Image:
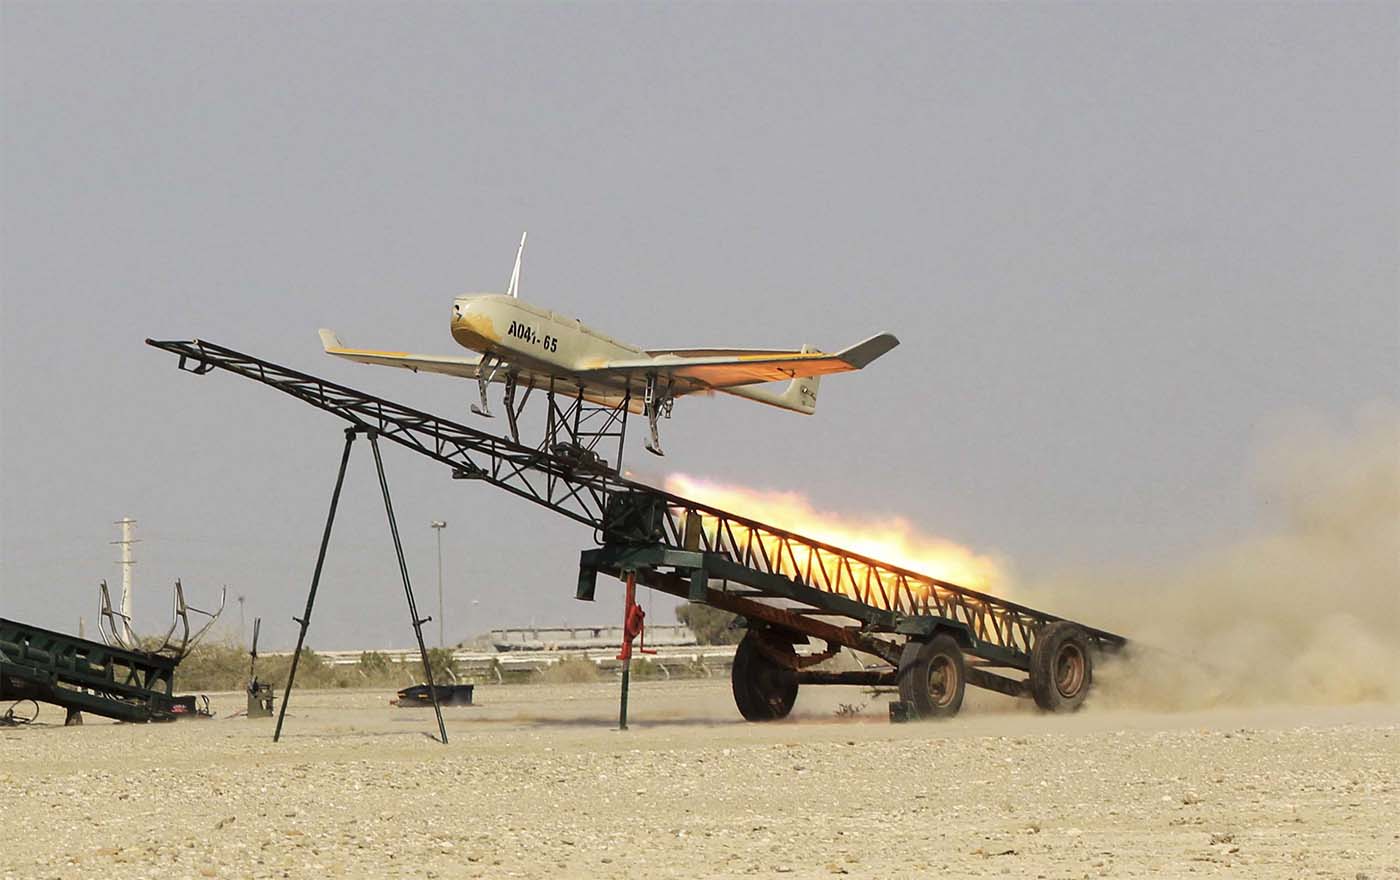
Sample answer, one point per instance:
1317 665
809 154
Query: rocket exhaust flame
893 540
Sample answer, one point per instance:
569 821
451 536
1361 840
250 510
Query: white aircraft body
520 344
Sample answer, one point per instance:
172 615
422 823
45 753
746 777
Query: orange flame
890 539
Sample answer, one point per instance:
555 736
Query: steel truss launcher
931 638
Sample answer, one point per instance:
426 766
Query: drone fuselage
528 337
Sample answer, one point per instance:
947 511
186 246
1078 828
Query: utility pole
242 624
127 524
438 526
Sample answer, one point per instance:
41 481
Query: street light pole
242 624
438 526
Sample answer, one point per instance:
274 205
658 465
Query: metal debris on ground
447 694
11 719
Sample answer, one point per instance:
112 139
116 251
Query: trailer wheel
932 677
764 690
1062 668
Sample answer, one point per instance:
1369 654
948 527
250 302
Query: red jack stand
633 627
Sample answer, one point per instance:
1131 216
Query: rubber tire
1056 643
763 689
918 662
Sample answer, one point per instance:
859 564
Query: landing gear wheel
764 689
1062 669
932 677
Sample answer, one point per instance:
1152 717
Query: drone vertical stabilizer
514 288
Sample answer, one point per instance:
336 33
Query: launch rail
931 637
79 675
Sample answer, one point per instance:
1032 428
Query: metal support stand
622 707
408 589
598 428
633 627
305 619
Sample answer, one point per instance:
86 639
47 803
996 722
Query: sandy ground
536 783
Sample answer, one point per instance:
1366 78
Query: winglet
862 353
514 289
329 341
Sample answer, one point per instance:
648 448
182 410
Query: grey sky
1123 246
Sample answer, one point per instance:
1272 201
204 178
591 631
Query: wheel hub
1069 670
942 681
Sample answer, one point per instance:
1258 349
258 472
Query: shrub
443 665
213 666
374 666
711 625
570 670
644 668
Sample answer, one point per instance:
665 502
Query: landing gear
932 677
490 365
656 403
1062 668
512 410
764 687
591 429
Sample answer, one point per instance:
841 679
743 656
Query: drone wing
465 367
719 369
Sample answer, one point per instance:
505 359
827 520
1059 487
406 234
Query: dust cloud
1305 611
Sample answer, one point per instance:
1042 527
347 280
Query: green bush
213 666
518 676
443 665
644 668
223 666
711 625
570 670
375 666
312 671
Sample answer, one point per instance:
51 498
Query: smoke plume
1306 611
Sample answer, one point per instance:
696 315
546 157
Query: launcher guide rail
85 676
781 582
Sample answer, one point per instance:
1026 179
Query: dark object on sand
447 694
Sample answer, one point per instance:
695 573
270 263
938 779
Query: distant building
584 638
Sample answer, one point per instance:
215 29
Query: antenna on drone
514 289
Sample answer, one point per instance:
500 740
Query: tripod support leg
305 619
407 589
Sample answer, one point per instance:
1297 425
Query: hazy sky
1124 245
